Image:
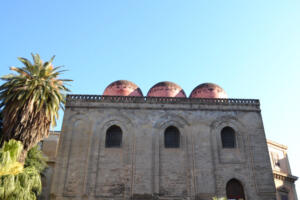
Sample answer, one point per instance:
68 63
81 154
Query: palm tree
1 126
30 101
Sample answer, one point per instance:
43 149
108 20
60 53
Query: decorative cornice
162 100
284 177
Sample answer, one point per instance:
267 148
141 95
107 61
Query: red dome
122 88
208 90
166 89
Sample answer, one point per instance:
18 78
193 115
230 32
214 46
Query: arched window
113 137
234 190
172 137
228 137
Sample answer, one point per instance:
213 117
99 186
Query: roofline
277 144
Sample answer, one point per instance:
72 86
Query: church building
166 145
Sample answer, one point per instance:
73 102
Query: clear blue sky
250 48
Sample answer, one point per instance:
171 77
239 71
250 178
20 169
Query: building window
276 160
113 137
234 190
172 137
228 137
284 197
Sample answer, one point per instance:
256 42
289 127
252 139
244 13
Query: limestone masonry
123 145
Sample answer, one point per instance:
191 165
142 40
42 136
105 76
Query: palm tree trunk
23 156
25 125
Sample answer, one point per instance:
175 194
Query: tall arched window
172 137
234 190
228 137
113 137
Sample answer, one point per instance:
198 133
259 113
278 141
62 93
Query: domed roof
166 89
122 88
208 90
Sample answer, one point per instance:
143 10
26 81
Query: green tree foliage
23 186
18 183
9 154
1 126
36 159
30 100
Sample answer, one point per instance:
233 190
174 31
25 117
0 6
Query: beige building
49 146
283 178
161 146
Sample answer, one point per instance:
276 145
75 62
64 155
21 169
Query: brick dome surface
208 90
166 89
122 88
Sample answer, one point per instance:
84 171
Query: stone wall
143 168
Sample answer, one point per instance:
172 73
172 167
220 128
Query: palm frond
31 99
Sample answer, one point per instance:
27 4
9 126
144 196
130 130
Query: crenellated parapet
78 100
133 99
